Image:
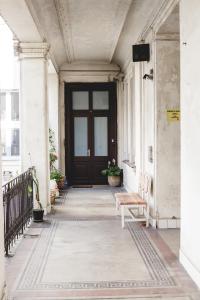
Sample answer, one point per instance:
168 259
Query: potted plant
114 174
38 212
52 149
58 177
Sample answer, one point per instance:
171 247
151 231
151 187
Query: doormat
82 186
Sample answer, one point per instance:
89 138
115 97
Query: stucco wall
152 100
190 141
167 152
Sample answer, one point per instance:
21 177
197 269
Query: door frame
69 87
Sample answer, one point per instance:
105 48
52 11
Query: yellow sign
173 115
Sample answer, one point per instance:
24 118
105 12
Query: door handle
88 152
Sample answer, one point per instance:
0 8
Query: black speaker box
141 52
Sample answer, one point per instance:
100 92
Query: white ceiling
89 29
81 30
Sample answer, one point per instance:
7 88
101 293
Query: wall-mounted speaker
141 52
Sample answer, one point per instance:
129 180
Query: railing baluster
18 206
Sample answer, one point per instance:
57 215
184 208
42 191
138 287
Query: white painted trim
190 268
41 31
167 223
63 13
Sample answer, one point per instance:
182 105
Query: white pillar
53 89
190 142
2 263
34 114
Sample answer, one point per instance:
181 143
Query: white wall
167 146
190 141
34 122
151 99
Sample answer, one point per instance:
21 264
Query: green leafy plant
56 175
52 149
112 170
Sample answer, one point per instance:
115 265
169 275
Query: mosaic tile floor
81 252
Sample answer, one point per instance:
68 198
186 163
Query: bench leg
122 216
117 204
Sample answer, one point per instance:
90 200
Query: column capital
31 50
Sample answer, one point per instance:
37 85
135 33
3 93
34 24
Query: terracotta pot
53 196
61 183
114 180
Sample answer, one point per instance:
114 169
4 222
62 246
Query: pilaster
34 113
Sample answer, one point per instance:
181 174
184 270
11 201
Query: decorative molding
32 50
62 9
155 21
41 30
167 37
90 67
121 14
159 17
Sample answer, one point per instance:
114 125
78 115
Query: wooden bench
136 203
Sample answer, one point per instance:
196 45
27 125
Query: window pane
101 136
80 100
80 136
5 151
3 105
15 142
15 106
100 100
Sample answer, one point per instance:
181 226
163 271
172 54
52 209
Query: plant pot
114 180
52 196
38 215
61 183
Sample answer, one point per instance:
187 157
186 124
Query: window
3 105
15 106
129 121
10 124
14 142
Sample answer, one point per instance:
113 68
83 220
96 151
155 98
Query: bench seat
128 200
136 203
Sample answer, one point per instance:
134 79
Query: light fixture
149 76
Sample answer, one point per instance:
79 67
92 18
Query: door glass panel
80 100
80 136
101 136
100 100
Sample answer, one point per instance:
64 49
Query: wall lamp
149 76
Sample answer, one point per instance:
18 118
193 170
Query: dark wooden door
91 131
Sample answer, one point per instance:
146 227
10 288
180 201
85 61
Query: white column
34 114
190 142
2 263
53 89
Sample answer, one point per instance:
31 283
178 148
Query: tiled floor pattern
81 252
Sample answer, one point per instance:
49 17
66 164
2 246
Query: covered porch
79 79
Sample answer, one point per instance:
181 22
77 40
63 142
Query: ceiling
81 31
87 30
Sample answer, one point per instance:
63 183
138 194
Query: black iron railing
18 206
